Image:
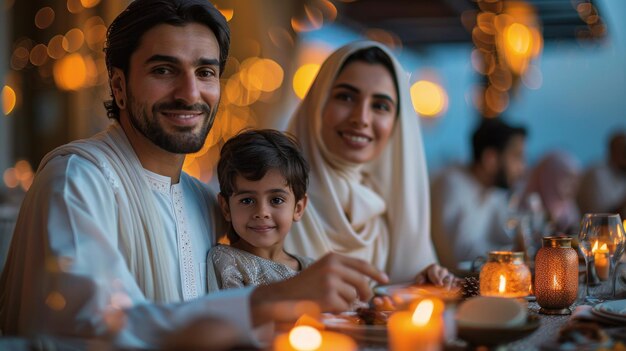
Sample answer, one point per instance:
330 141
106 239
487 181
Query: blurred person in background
470 203
603 186
555 180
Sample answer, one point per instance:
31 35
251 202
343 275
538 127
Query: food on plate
370 316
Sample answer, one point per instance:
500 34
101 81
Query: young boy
263 180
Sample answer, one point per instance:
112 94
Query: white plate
616 308
608 318
344 323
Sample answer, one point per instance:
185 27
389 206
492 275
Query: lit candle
555 284
417 330
306 338
556 275
601 260
505 275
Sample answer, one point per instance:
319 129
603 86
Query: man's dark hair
252 153
125 33
373 55
493 133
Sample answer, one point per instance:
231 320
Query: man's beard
184 141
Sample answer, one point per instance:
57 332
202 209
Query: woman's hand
437 275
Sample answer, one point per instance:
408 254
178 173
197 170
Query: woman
368 196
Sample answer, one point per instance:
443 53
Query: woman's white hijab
377 211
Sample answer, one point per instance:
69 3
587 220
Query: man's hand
333 283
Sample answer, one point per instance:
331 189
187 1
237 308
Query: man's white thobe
66 273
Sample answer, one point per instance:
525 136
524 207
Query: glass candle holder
505 275
556 275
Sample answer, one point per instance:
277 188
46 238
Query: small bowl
478 336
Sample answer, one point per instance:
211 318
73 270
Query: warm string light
429 99
21 175
507 39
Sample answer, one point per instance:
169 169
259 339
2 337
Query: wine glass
601 240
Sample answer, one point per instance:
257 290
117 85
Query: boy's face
262 211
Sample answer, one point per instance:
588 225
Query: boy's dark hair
493 133
373 55
252 153
125 33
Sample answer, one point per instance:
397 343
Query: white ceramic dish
489 312
615 308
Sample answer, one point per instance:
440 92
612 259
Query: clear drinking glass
601 235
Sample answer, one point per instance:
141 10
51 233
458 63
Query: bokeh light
281 38
55 47
95 36
305 338
89 3
227 13
303 78
533 78
44 17
238 94
20 58
496 100
268 74
313 19
74 40
501 78
74 6
9 99
70 73
383 36
39 55
56 301
429 99
9 178
518 38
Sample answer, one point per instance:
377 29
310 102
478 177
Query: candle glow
601 260
423 312
555 283
502 286
305 338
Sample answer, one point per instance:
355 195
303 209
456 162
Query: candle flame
502 286
305 338
604 247
423 312
555 283
595 247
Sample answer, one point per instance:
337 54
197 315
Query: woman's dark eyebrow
354 89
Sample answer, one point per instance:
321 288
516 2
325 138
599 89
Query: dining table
546 336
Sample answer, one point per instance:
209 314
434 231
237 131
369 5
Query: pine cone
470 287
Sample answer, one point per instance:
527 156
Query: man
112 237
603 187
469 204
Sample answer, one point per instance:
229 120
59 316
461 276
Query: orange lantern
556 275
505 275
